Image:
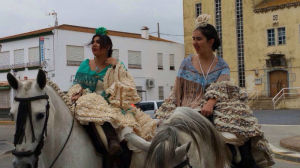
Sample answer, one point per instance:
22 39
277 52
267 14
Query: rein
24 111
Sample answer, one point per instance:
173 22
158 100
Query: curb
285 155
7 122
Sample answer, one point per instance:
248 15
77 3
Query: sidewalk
275 133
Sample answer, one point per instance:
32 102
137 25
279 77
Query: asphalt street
279 122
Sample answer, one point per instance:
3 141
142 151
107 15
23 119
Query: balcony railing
4 67
34 64
18 66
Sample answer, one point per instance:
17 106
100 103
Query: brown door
278 80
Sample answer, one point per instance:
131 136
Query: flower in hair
202 20
101 31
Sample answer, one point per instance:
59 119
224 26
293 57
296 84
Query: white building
152 61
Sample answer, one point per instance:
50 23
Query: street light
54 14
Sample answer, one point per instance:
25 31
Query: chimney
145 32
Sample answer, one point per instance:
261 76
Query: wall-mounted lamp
256 72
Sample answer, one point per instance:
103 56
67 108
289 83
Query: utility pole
158 32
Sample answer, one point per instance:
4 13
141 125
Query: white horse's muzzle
25 162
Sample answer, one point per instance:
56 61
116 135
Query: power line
166 34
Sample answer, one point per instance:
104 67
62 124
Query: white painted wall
59 72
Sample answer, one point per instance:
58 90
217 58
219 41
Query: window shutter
19 58
75 55
34 56
4 60
115 53
160 61
134 60
4 99
172 64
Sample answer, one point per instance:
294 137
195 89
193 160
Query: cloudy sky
19 16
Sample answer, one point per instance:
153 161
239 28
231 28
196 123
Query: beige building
260 40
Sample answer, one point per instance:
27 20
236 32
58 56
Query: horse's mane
191 122
64 96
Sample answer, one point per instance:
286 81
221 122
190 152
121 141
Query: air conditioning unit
150 83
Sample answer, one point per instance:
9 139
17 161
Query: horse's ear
182 150
41 79
137 142
13 82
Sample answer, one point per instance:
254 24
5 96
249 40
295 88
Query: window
134 59
271 37
219 25
198 8
140 91
281 35
161 93
19 58
115 53
240 42
4 99
75 55
172 64
33 57
160 61
4 60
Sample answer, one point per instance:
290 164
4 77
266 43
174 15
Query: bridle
24 111
184 163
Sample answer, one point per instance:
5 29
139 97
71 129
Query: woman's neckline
108 66
212 69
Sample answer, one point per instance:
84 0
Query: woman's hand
76 96
112 61
208 108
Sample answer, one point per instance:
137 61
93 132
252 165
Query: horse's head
30 112
164 150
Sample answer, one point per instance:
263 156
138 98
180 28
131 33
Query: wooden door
278 80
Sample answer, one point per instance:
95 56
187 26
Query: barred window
198 9
240 42
4 60
172 64
281 36
33 57
160 64
219 25
271 37
134 59
75 55
161 93
115 53
19 58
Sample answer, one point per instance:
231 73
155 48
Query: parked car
149 107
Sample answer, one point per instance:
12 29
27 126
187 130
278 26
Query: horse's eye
40 116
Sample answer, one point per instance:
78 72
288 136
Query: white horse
31 112
186 139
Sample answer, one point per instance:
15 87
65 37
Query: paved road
278 117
